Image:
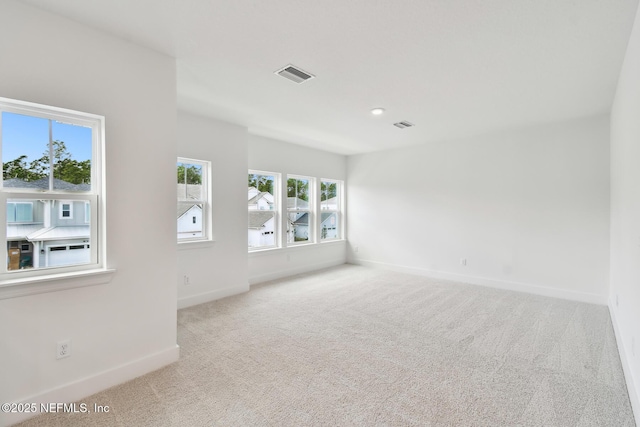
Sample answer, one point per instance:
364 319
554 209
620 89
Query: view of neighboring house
260 200
189 214
328 226
261 229
298 224
47 233
261 218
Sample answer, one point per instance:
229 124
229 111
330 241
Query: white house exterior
261 229
261 201
329 225
47 233
189 221
189 211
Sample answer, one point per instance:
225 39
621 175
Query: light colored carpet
355 346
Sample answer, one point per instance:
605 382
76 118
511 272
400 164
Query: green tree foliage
64 167
298 188
328 190
194 174
263 183
18 169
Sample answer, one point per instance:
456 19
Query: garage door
67 255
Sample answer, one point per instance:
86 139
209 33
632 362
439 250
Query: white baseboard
82 388
279 274
626 368
191 300
492 283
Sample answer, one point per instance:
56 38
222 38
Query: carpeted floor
355 346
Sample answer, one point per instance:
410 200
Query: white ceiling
453 68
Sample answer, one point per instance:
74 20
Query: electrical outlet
63 349
355 249
616 300
186 280
463 261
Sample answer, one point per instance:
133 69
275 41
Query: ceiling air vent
294 74
403 125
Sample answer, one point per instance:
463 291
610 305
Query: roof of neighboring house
257 219
184 208
293 202
325 216
43 184
60 233
254 199
303 220
21 231
18 183
194 191
331 201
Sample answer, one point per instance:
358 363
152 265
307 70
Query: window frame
45 279
206 202
62 210
310 210
339 212
16 211
277 211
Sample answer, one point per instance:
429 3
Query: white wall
625 215
528 209
218 269
276 156
127 327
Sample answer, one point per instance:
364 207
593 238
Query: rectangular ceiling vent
403 125
294 74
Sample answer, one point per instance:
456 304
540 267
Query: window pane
11 212
72 153
25 151
262 227
329 226
329 195
261 192
297 193
19 211
39 238
24 212
189 181
298 227
189 220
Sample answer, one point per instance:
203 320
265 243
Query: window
330 209
19 211
194 195
263 212
66 211
87 212
51 166
299 209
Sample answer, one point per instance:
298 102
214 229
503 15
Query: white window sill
20 287
296 247
330 241
195 244
263 251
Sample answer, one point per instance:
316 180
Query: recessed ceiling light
377 111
